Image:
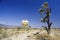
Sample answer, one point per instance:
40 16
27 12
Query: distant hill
7 26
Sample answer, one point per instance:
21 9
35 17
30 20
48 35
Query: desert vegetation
31 34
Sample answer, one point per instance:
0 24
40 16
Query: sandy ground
32 35
22 36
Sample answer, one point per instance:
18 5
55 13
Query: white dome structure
25 23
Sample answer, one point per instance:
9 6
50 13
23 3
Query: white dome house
25 23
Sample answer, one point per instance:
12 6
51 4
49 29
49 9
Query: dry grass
42 35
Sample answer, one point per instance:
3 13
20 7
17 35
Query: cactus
46 18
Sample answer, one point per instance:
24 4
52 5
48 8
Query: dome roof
24 21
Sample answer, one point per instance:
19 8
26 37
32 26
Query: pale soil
34 35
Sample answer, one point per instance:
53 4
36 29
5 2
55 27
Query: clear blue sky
12 12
